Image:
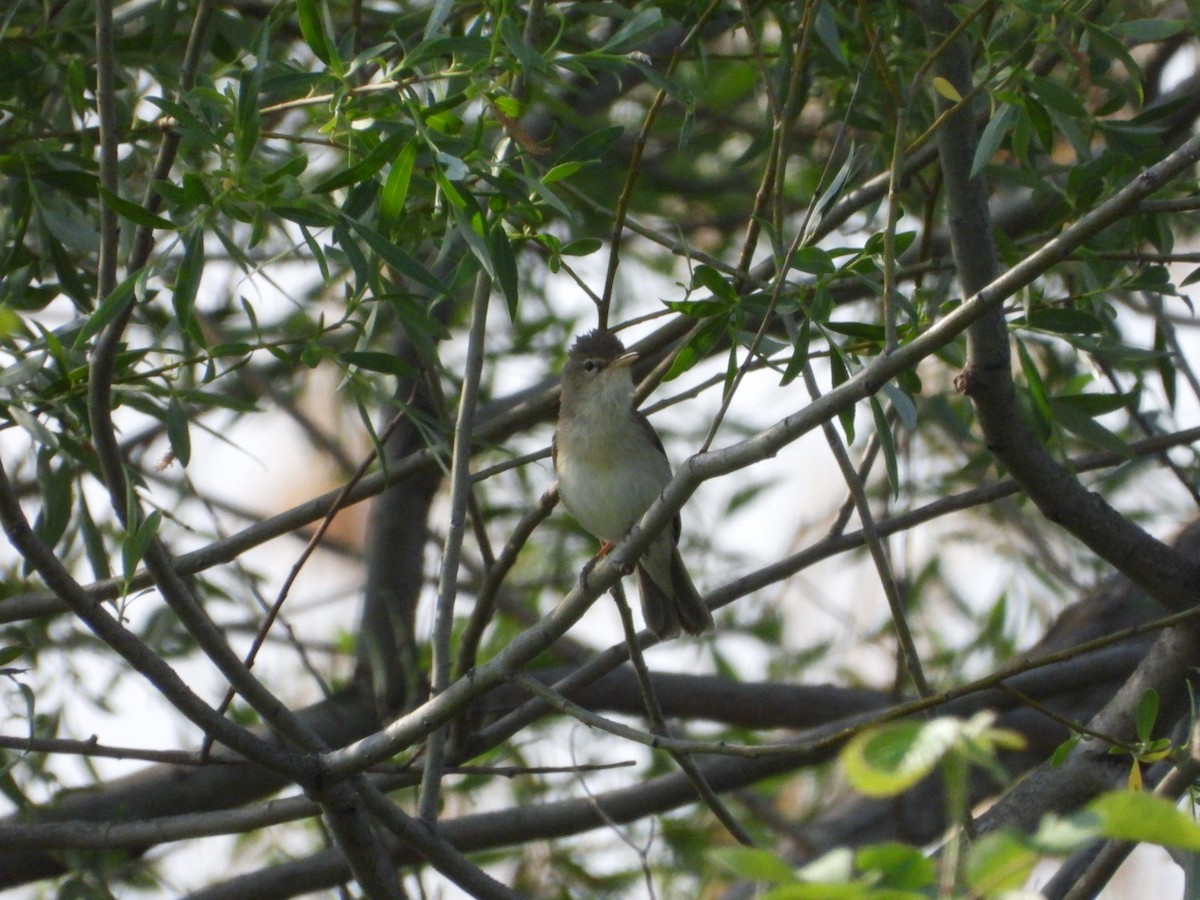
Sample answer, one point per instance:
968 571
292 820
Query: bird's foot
604 550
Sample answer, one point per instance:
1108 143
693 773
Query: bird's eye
591 365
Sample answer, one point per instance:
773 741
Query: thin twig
879 555
659 723
460 491
634 167
310 548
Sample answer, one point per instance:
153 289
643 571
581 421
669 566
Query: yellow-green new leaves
885 761
947 90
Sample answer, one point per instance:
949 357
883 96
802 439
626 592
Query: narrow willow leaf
437 17
1088 429
395 188
249 88
113 305
177 432
187 282
993 135
312 29
397 258
137 542
57 489
504 263
704 276
635 30
93 543
375 361
1146 30
11 654
699 346
840 374
134 212
561 171
887 445
800 351
1165 364
383 153
1147 714
1037 392
1096 404
755 864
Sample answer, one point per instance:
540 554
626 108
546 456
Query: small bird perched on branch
611 466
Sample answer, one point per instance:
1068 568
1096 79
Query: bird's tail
675 605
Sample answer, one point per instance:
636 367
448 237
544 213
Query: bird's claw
604 550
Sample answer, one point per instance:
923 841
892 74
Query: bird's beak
622 361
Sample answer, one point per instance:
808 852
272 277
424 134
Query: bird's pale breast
602 483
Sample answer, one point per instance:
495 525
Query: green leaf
999 862
531 60
1142 817
886 444
800 351
1037 392
903 405
1146 30
504 264
56 486
581 247
1063 750
308 215
561 171
177 432
635 30
946 89
135 213
395 188
1147 715
375 361
897 866
1061 321
592 146
817 891
396 258
137 542
754 864
114 304
864 330
93 543
1096 404
840 374
249 88
1165 363
187 282
993 135
699 346
704 276
12 653
1088 429
886 761
437 17
813 260
312 29
826 26
384 152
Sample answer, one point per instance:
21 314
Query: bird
611 466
